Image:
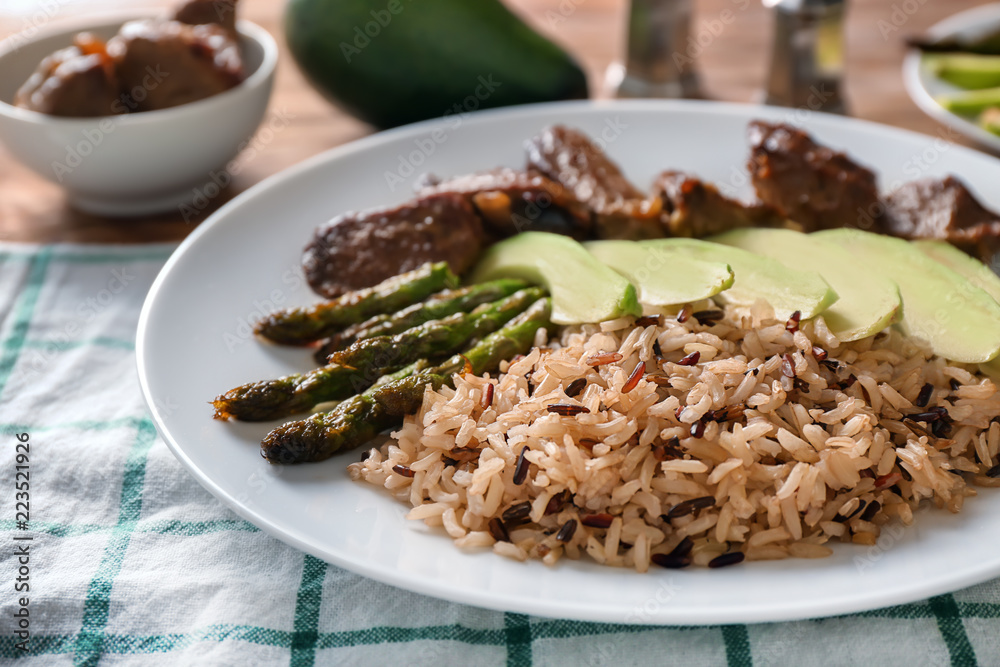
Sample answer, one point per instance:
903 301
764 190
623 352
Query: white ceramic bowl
134 164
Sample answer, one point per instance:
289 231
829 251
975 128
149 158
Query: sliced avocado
974 271
970 102
959 320
868 301
759 277
965 70
663 278
582 288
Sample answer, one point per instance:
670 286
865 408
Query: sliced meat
572 160
173 63
808 183
357 250
512 201
76 81
692 207
198 12
945 209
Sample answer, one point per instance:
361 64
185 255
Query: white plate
193 343
923 86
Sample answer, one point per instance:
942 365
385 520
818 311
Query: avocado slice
972 270
969 71
959 320
868 301
758 277
583 289
396 61
663 278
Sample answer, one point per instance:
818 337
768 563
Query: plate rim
496 599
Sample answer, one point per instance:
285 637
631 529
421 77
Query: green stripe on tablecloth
517 632
63 345
737 645
83 425
90 258
90 641
23 311
307 604
170 527
949 621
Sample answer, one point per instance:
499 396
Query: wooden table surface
732 67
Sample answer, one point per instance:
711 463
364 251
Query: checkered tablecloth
131 562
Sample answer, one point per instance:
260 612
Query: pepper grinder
807 60
655 65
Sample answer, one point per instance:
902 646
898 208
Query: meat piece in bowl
692 207
79 80
944 209
811 184
198 12
571 159
512 201
163 64
358 250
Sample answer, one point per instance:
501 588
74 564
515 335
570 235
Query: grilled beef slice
808 183
572 160
361 249
692 207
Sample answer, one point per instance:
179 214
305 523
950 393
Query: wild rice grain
521 467
565 533
403 470
691 359
792 325
487 398
689 507
926 417
567 410
708 317
602 520
698 429
516 514
633 379
924 397
731 558
670 562
557 502
604 359
954 384
685 313
820 354
870 511
576 387
994 471
683 548
649 320
787 366
498 530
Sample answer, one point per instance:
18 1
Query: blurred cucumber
966 71
970 103
391 62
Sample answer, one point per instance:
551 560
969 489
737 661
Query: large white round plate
923 86
194 342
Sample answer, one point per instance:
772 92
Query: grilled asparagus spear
354 369
299 326
359 419
440 305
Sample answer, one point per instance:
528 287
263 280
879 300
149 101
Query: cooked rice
796 463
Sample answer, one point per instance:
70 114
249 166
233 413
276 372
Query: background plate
922 86
194 342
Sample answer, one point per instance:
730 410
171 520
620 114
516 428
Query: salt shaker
656 66
807 59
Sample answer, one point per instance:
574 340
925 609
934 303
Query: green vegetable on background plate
391 62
